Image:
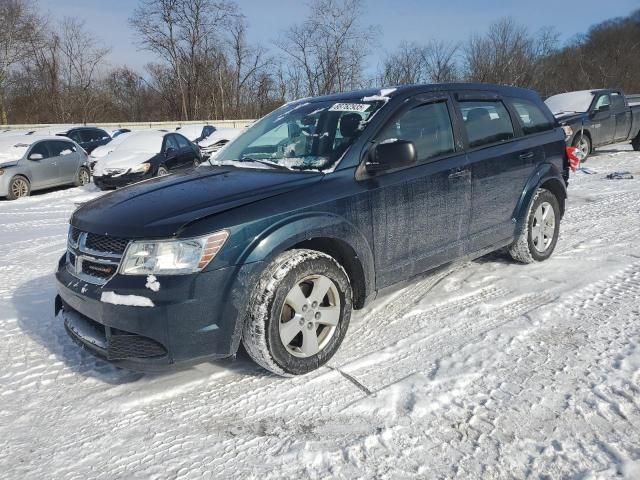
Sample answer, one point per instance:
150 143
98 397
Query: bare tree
439 58
330 46
19 24
183 33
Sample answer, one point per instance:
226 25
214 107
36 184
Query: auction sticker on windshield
350 107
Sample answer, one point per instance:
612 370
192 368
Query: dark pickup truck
596 118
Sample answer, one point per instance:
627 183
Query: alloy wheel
309 316
19 188
84 177
544 227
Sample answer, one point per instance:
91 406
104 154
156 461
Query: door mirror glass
391 155
36 156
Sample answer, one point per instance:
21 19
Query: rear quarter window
532 118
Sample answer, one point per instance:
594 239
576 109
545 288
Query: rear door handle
527 156
459 174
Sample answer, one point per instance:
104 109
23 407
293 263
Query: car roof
392 91
30 139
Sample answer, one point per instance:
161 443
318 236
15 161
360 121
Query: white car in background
211 146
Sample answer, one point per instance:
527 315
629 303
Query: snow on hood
220 134
103 150
121 160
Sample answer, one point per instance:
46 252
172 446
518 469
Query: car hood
160 207
120 159
570 117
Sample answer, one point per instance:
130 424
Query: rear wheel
540 234
583 143
635 143
299 313
19 187
83 178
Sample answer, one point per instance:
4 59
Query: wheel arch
546 176
326 233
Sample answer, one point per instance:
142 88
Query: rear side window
182 142
427 126
486 122
531 116
617 101
60 148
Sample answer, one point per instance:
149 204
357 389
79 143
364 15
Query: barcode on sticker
349 107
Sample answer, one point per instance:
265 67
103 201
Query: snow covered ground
488 370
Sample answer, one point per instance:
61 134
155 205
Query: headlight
142 168
172 257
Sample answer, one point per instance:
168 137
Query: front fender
546 172
293 230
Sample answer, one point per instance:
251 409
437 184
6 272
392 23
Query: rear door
67 157
622 113
501 161
44 171
420 213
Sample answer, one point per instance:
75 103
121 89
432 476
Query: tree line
203 66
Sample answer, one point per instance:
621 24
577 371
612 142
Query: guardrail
137 125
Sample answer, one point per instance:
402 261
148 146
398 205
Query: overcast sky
412 20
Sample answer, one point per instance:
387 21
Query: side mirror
36 156
391 155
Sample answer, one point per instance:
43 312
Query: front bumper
194 317
116 181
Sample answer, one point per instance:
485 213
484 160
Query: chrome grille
94 258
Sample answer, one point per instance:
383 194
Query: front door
604 124
420 213
44 168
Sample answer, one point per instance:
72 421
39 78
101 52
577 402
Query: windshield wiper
265 162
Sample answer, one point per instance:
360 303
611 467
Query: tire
284 303
583 142
162 171
83 177
19 187
526 248
635 143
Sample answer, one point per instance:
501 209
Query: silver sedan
31 162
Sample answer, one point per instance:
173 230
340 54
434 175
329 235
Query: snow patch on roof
383 96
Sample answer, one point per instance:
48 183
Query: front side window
171 143
303 135
486 122
75 136
40 148
427 126
603 101
532 118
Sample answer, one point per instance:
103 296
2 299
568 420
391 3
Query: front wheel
162 171
298 314
540 234
635 143
583 143
19 187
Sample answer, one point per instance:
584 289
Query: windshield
572 102
150 142
303 135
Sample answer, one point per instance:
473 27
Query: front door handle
527 156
